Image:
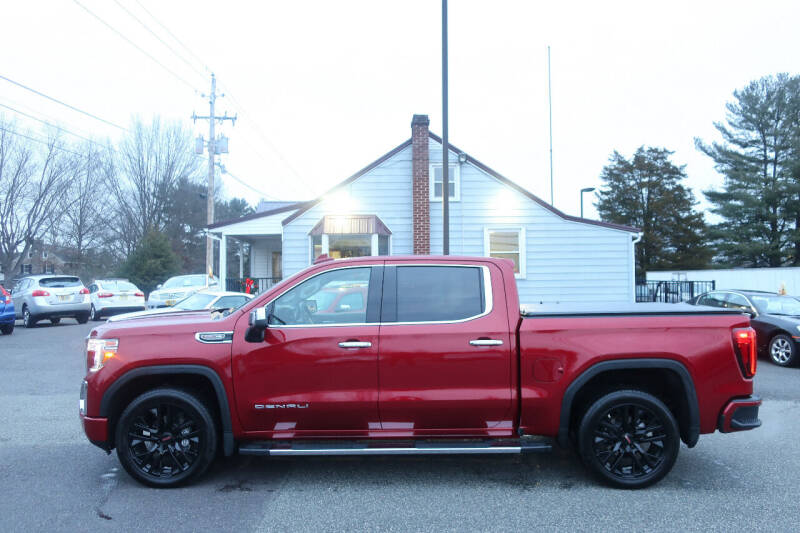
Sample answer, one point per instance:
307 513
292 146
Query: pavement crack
108 483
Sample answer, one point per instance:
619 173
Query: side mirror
259 319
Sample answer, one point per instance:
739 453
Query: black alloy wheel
166 437
629 438
83 318
7 329
27 319
55 321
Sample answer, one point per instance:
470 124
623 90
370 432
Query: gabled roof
305 206
260 214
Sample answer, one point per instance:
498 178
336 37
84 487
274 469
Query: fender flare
693 429
109 395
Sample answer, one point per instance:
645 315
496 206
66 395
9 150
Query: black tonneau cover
573 309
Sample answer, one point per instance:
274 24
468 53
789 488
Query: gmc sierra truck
416 355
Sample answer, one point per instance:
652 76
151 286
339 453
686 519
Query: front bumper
96 430
740 414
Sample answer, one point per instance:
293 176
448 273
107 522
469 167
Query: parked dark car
776 319
7 314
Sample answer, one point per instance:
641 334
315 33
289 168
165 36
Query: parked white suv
50 297
179 287
112 296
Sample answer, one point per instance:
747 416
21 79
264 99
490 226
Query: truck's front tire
166 437
629 438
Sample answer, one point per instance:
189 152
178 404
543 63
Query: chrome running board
389 448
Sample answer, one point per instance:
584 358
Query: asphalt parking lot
52 479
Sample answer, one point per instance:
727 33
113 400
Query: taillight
140 294
744 340
40 292
84 291
5 294
104 294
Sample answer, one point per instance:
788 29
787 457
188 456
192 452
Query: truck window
439 293
312 301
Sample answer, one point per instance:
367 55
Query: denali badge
281 406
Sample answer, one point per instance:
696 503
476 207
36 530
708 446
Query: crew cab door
316 370
445 357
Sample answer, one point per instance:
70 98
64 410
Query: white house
393 207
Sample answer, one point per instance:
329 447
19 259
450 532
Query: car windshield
63 281
116 285
195 301
179 282
776 305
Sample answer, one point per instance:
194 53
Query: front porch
265 265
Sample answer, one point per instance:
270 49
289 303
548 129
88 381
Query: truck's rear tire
629 439
166 437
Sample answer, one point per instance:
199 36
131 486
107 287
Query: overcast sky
323 88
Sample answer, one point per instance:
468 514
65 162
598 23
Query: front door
445 358
316 370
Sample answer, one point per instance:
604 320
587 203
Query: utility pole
215 146
550 108
445 143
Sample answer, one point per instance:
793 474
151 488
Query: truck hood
167 323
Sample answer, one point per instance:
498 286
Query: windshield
117 286
195 301
179 282
776 305
64 281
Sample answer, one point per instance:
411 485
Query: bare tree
33 182
151 160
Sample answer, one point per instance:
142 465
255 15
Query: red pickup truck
424 355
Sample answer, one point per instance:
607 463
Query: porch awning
350 224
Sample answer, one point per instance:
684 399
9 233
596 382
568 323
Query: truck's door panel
316 369
445 354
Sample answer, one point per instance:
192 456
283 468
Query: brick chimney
420 185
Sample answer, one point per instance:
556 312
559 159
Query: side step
420 447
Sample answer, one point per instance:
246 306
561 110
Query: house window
341 246
316 247
453 179
25 269
507 243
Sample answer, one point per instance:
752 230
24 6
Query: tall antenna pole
445 143
550 107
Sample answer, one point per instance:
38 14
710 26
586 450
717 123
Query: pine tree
646 192
758 157
152 262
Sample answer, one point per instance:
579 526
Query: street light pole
585 189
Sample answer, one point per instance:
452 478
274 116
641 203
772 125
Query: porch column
241 259
223 263
374 244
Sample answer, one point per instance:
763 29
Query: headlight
98 351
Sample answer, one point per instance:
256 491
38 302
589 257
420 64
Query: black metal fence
671 291
258 284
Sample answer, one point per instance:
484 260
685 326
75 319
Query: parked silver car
50 297
179 287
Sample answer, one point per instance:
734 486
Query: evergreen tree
758 156
152 262
646 192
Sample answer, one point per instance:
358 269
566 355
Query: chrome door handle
486 342
355 344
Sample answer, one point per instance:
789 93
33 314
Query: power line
146 27
156 61
62 103
52 125
55 146
173 36
227 172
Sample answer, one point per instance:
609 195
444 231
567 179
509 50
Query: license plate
123 296
63 297
170 303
